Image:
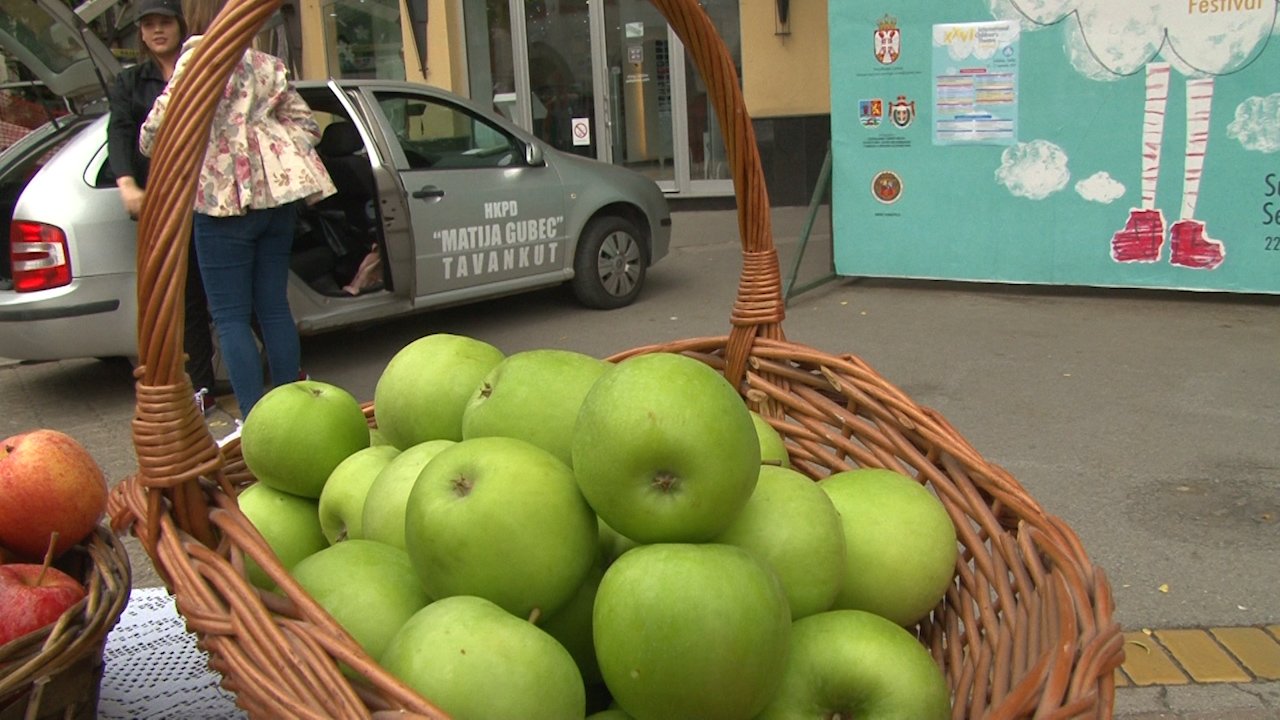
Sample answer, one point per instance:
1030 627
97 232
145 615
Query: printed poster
975 83
1065 142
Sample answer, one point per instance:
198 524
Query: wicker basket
56 672
1026 630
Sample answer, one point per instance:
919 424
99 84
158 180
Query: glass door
606 79
637 71
709 172
362 39
491 70
561 91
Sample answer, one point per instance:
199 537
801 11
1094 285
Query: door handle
428 191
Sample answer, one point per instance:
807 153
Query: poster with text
1066 142
975 83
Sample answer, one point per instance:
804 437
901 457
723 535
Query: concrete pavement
1149 420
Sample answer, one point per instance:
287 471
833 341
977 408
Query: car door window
440 136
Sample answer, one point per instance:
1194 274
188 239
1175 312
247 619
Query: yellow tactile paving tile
1200 655
1258 651
1203 658
1147 663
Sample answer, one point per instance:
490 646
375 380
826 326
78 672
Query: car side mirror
533 155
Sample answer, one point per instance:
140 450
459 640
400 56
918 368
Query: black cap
172 8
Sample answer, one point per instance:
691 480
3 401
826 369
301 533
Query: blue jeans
244 261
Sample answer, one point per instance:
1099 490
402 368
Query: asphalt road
1150 421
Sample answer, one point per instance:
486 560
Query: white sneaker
231 435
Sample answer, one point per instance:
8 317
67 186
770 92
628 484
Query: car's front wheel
610 263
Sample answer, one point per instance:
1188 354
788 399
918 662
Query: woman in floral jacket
259 165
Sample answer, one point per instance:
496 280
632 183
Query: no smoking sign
581 128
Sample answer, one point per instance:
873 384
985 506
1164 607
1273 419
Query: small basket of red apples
64 577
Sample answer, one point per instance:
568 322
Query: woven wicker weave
1026 630
55 673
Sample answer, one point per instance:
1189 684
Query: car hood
576 168
51 41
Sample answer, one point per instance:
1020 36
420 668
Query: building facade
606 79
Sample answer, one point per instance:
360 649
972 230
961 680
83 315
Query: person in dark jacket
161 32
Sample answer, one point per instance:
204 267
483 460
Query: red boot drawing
1191 248
1141 238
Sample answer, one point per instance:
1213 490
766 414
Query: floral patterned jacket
261 147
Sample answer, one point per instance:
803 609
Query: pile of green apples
550 535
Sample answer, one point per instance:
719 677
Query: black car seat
339 148
346 221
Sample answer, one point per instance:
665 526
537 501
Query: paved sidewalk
1199 702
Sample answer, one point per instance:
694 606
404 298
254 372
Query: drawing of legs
1143 234
1188 243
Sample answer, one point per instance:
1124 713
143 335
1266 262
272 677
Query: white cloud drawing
1033 170
1100 187
1107 38
1257 124
957 49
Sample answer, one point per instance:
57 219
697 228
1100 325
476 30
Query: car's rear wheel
610 263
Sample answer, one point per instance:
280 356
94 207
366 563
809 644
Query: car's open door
51 41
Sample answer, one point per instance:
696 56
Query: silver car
460 205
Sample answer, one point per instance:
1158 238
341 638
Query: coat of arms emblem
871 112
886 186
888 40
902 111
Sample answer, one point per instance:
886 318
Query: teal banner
1066 142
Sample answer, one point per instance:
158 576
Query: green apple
900 544
384 504
691 631
610 714
297 434
342 499
856 664
502 519
476 661
377 438
368 587
664 449
612 543
535 396
773 451
289 523
571 626
423 390
792 526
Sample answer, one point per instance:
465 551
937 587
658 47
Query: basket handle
173 445
759 308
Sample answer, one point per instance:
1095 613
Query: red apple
33 596
48 483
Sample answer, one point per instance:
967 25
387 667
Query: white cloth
153 669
